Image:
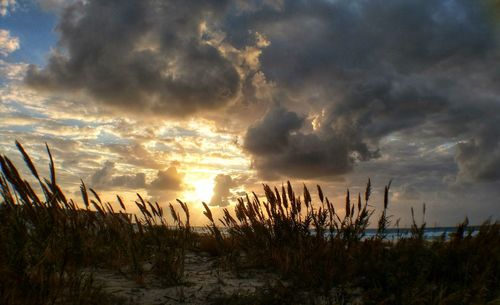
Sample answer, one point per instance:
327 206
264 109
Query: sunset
217 112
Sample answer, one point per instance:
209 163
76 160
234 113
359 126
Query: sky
204 100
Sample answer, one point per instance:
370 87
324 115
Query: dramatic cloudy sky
205 99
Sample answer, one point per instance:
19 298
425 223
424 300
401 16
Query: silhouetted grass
46 242
49 247
316 248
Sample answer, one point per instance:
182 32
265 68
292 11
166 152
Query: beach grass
316 248
47 243
50 247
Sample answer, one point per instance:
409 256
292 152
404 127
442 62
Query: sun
203 189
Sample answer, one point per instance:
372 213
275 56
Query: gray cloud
280 148
106 178
222 190
167 184
272 133
363 69
375 68
478 160
142 56
166 180
134 154
315 40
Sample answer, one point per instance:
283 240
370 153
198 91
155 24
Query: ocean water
395 234
429 233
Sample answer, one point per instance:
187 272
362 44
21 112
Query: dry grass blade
347 204
386 194
307 197
96 195
159 209
186 212
85 196
368 191
110 208
283 195
139 225
291 195
320 193
11 172
120 201
98 207
51 167
153 209
174 213
208 212
27 160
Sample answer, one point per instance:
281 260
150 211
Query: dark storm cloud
375 68
141 56
381 106
311 40
479 159
359 70
272 133
281 149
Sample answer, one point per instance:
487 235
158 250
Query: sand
204 281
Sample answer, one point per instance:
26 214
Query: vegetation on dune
47 243
316 248
49 248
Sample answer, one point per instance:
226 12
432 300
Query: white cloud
8 44
12 71
6 5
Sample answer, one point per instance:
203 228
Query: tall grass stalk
46 242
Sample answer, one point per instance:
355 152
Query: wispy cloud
6 6
8 43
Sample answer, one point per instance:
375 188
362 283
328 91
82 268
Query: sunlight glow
202 190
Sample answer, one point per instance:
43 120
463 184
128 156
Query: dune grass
47 243
313 246
49 247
